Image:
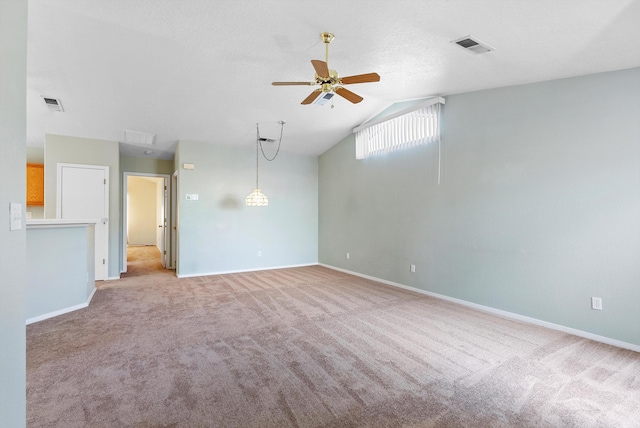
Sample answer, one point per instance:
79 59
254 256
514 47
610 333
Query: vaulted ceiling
201 70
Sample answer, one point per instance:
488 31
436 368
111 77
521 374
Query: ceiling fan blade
348 95
292 83
312 96
321 67
360 78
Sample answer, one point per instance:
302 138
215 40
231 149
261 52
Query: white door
83 193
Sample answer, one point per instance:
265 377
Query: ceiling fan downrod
326 38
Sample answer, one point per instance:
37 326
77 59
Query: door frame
167 214
174 221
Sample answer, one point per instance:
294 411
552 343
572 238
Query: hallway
144 260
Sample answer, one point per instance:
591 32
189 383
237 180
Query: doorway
146 215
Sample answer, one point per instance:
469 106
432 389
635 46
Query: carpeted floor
144 260
311 347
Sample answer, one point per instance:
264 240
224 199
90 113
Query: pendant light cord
257 142
260 143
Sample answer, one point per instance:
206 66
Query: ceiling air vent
472 44
139 138
54 104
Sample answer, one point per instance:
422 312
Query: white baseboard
498 312
91 295
191 275
62 311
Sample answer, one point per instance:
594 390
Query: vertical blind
420 125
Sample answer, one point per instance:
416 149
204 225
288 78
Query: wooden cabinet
35 184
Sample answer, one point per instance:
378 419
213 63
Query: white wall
219 233
538 210
13 75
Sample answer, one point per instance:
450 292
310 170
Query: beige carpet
311 347
144 260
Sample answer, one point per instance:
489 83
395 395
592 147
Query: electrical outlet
596 303
347 255
413 268
259 253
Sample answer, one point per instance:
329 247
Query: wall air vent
53 104
139 138
472 44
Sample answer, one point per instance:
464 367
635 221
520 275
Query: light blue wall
86 151
145 165
13 276
538 209
60 268
218 233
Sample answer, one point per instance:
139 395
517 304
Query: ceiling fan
329 81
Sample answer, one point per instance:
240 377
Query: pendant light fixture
257 198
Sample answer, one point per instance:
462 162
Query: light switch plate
596 303
15 214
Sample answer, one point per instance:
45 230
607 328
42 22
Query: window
419 124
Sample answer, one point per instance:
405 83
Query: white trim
44 223
91 295
175 227
499 312
191 275
62 311
112 278
402 112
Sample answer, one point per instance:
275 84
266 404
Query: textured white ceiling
201 70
